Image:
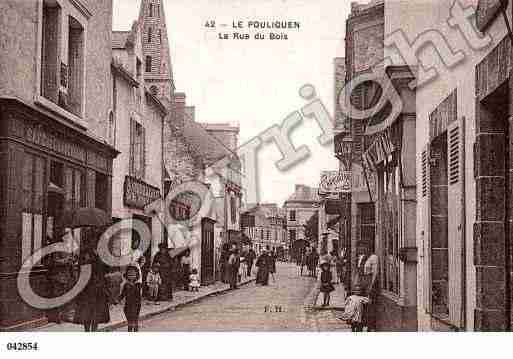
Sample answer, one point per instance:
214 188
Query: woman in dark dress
165 262
92 303
263 264
326 283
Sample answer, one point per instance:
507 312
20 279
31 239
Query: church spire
158 73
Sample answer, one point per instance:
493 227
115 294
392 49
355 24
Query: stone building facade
463 167
265 225
299 207
383 209
137 132
55 100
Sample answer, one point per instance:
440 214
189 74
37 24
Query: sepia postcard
262 166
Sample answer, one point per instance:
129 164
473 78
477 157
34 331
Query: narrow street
284 305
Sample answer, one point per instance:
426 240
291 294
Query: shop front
388 158
46 168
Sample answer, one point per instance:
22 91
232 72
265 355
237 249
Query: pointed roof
152 16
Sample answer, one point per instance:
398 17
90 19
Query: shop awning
205 145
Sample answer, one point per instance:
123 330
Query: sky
252 82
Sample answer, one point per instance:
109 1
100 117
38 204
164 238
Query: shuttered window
75 66
456 222
62 56
49 51
442 202
439 220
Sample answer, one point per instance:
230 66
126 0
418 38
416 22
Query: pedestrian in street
132 293
164 261
310 263
186 263
370 285
263 267
326 283
339 266
272 264
194 283
333 266
250 259
354 307
233 266
153 280
92 303
60 279
305 260
223 263
315 262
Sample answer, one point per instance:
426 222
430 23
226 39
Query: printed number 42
210 23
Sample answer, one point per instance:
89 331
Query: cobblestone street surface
285 305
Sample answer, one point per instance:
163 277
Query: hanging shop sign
138 194
333 182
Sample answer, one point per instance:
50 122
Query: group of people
156 283
310 260
235 266
174 272
360 305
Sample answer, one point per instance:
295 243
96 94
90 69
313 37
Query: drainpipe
507 251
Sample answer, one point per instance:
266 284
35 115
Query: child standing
194 283
326 283
131 292
353 309
154 281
